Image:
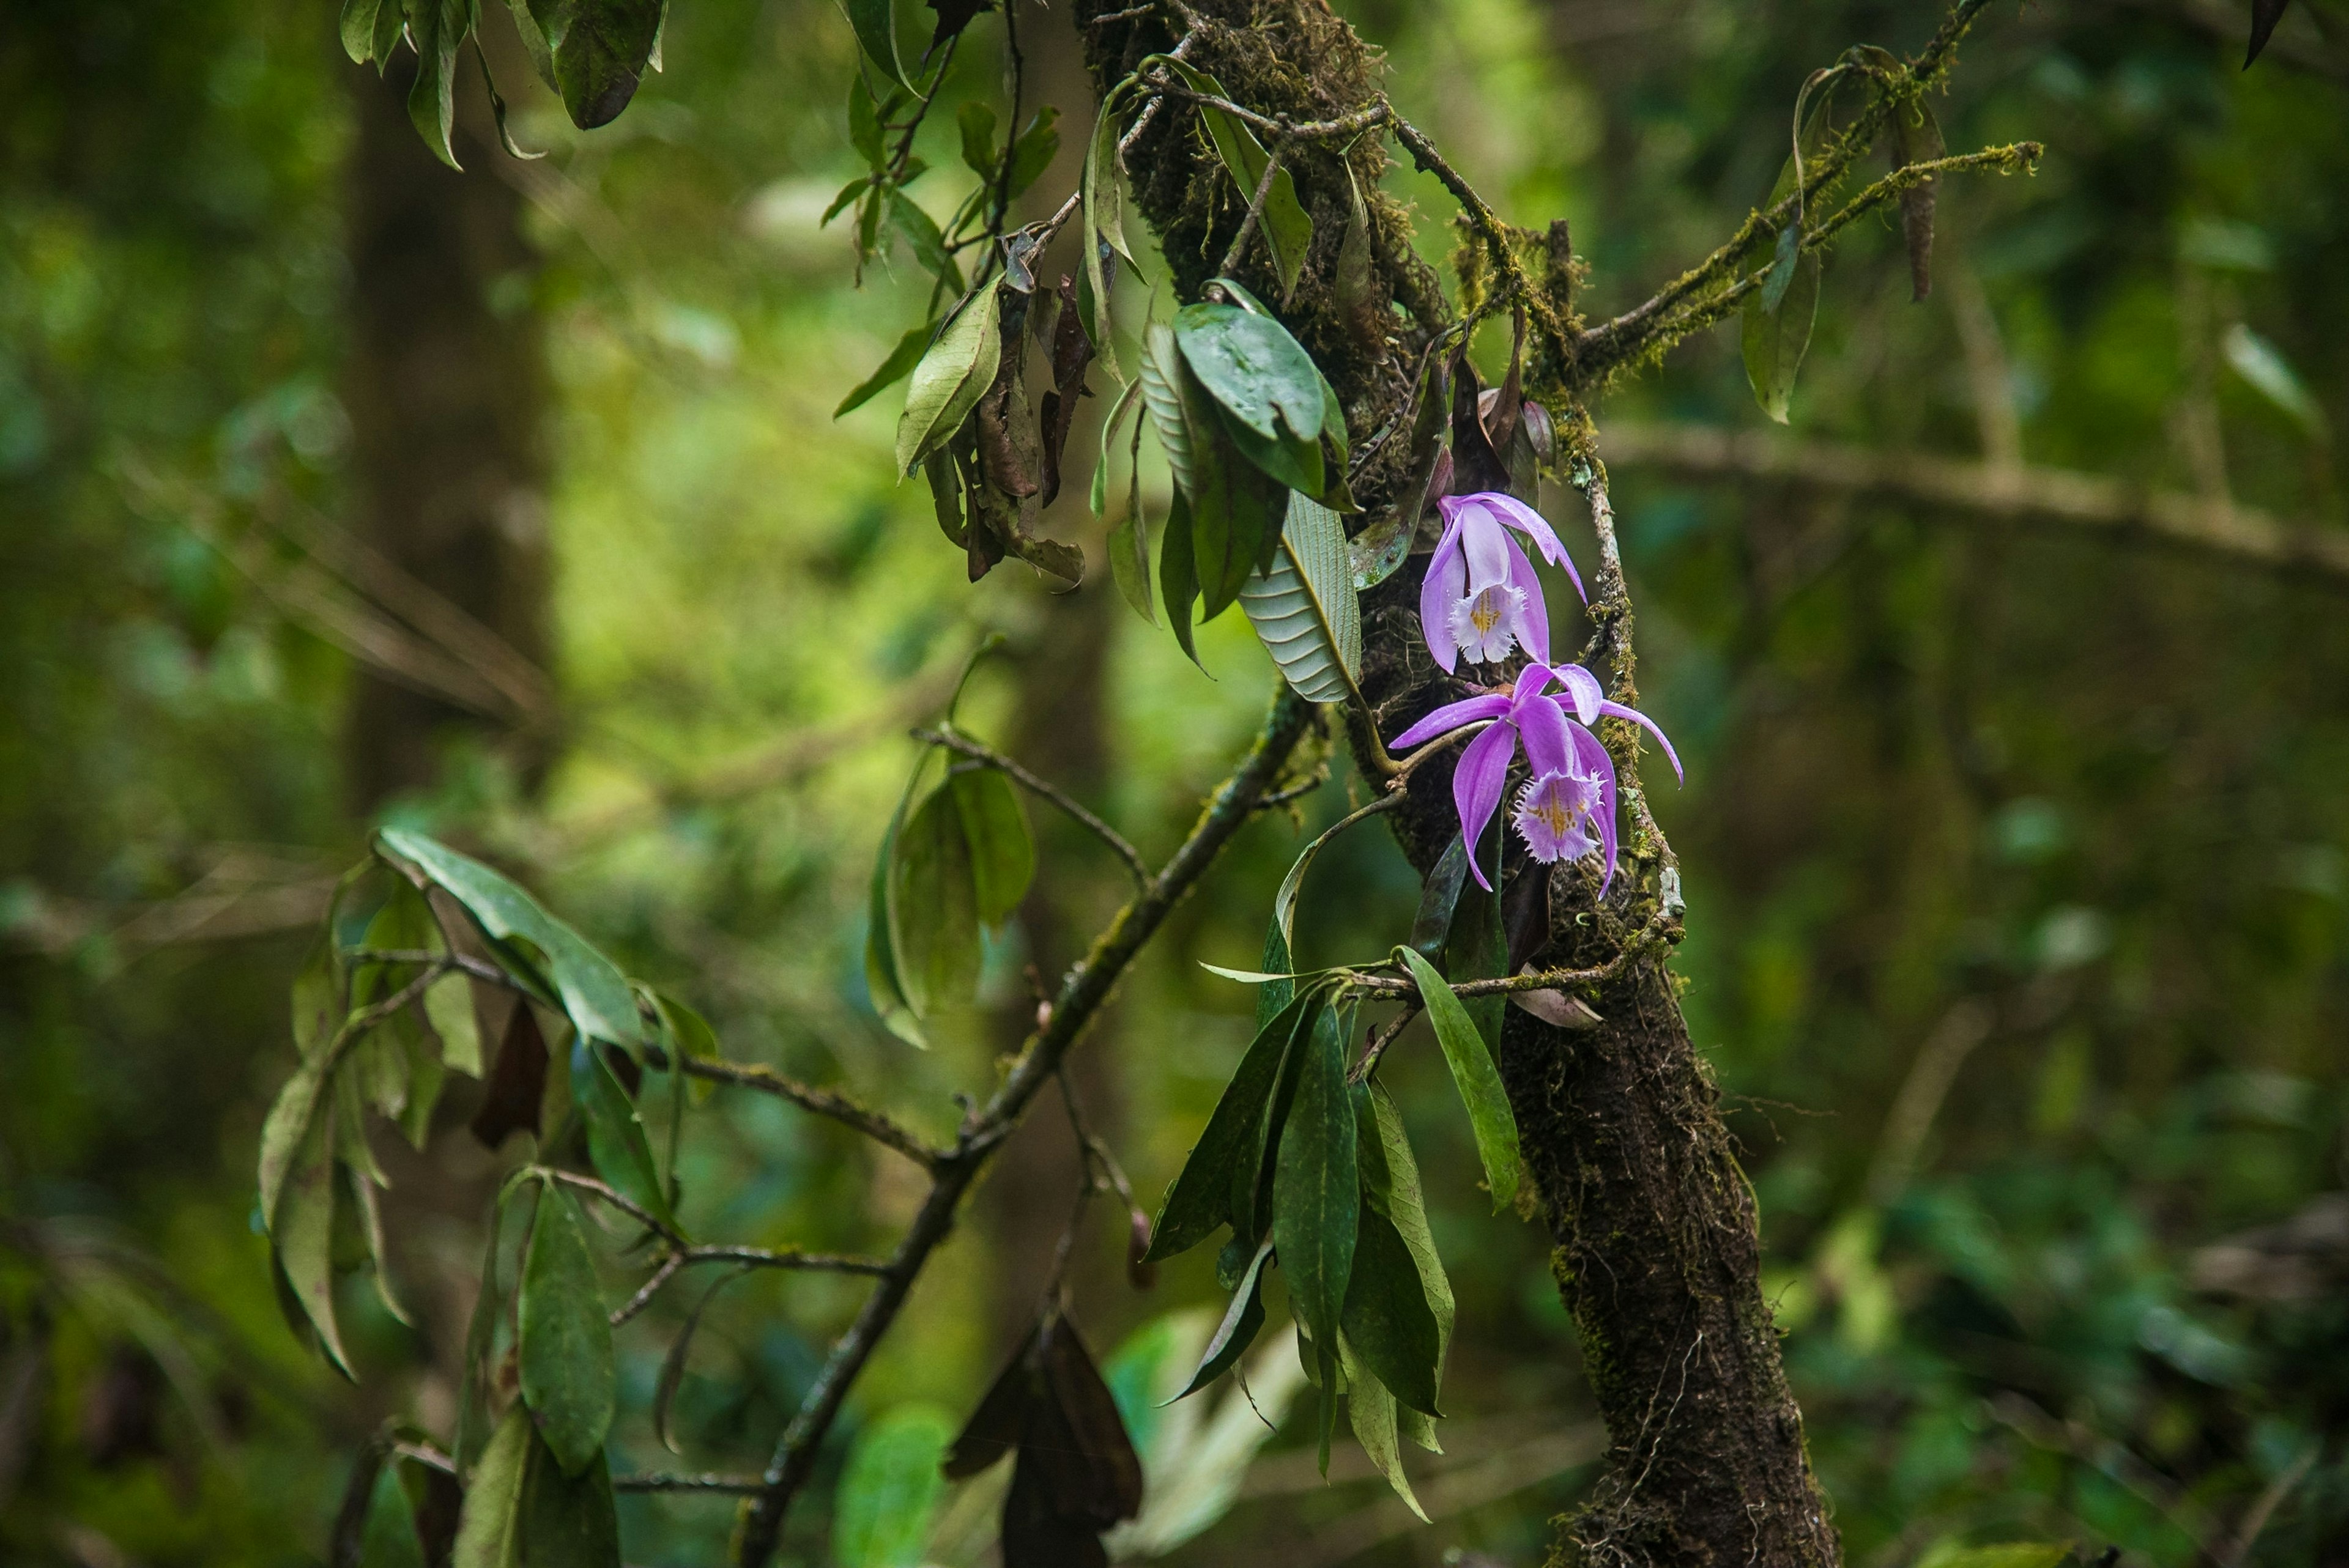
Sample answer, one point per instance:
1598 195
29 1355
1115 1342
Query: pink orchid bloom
1481 599
1567 808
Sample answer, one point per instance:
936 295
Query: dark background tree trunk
1656 1254
447 389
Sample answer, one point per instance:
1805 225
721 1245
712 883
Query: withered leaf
1072 350
994 1429
1475 465
2265 15
1036 1534
1525 914
954 16
517 1083
1088 1458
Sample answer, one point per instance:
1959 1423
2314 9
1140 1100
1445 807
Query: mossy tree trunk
1656 1254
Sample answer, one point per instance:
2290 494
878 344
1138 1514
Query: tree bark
1656 1250
446 388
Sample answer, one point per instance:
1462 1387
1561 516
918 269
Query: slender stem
1256 205
650 1288
786 1258
824 1102
978 751
1082 993
738 1485
620 1201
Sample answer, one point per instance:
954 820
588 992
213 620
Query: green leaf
1178 580
1002 853
1161 396
481 1337
1103 227
976 121
1371 1411
302 1229
286 1129
864 125
1264 383
1439 896
1391 1184
1304 609
601 50
881 975
566 1522
1473 1073
594 995
437 28
688 1032
1315 1196
1232 505
1129 536
934 908
359 28
876 29
1199 1200
449 1006
949 379
1351 285
390 1538
922 236
1254 1175
889 1490
1386 1317
1287 228
1242 1321
486 1524
1038 145
672 1371
391 22
2264 368
568 1377
616 1141
1099 499
1774 340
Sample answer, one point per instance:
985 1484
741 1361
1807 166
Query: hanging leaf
449 1008
391 1538
1917 138
1287 228
1264 386
1103 230
889 1490
516 1089
1391 1184
1242 1321
1129 536
593 991
473 1429
901 361
359 28
594 52
1236 508
565 1520
876 30
1386 1317
1774 338
1077 1436
882 979
1358 304
437 29
302 1222
1161 395
1438 896
1304 608
954 16
933 907
1473 1073
2265 15
1371 1411
1039 144
568 1377
994 1429
616 1142
1199 1200
1315 1196
1071 352
485 1528
923 238
949 379
1002 853
1178 579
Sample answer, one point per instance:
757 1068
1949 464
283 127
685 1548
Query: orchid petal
1597 762
1542 723
1532 681
1476 786
1583 688
1617 710
1532 618
1516 514
1486 544
1447 581
1449 717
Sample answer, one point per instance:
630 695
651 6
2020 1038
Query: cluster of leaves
590 53
399 993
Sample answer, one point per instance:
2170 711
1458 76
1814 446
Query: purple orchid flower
1481 598
1567 808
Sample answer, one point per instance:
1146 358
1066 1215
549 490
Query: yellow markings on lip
1486 613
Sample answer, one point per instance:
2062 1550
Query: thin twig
650 1288
617 1200
738 1485
979 751
1082 993
824 1102
1278 150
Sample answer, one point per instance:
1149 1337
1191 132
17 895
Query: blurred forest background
341 488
